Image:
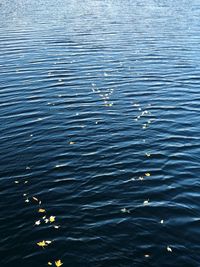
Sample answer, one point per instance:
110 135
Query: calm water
99 123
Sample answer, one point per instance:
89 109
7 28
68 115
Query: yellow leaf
49 263
52 219
42 244
147 174
58 263
41 210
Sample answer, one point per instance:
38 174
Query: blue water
99 123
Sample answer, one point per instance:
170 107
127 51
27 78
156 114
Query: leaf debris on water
169 249
38 222
124 210
52 219
71 143
36 199
41 210
58 263
146 202
147 174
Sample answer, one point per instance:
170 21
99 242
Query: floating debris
146 202
41 210
16 182
144 126
56 226
52 219
27 200
71 143
36 199
124 210
162 221
44 243
58 263
38 222
148 154
169 249
146 255
49 263
147 174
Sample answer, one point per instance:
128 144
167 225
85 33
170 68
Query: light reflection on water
99 127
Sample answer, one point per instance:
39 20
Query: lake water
99 127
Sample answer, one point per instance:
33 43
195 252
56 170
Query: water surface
99 121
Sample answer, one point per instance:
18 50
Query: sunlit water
99 123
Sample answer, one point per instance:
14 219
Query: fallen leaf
124 210
48 242
26 182
35 198
162 221
58 263
52 219
147 255
16 182
41 210
71 143
146 202
49 263
42 244
147 174
56 226
27 200
46 220
38 222
169 249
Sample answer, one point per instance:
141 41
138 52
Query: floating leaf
38 222
42 244
46 220
27 200
52 219
26 182
35 198
58 263
146 255
71 143
16 182
146 202
56 226
169 249
147 174
124 210
162 221
49 263
41 210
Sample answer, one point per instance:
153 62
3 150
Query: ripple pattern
99 128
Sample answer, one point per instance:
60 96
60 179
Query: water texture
99 127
